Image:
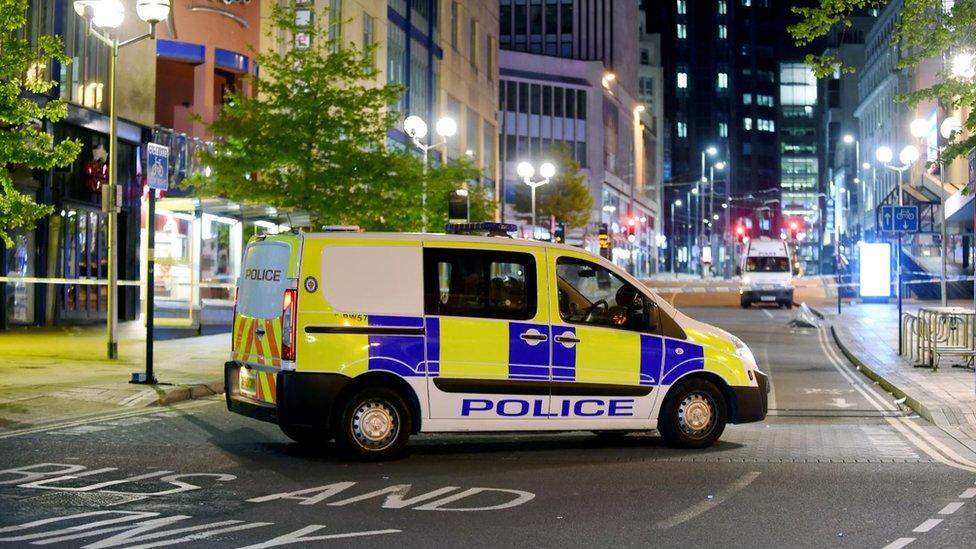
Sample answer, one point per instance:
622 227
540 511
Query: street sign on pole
906 219
887 218
157 166
157 178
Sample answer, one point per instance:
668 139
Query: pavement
48 374
836 463
868 335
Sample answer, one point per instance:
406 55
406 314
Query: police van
366 338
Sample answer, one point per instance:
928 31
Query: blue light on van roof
489 228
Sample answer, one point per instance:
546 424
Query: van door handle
566 339
259 332
533 336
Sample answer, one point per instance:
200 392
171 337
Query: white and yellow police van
367 338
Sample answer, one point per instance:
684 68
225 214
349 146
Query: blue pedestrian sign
157 165
902 219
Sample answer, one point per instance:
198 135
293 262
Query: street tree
24 78
312 134
566 197
926 29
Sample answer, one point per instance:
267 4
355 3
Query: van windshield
767 265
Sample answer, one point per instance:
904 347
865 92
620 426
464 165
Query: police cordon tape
795 286
103 282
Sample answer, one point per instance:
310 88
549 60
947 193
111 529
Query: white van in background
767 273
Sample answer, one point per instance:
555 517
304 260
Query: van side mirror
738 271
650 313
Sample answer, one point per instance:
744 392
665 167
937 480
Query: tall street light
416 129
108 15
527 171
700 226
674 238
908 156
919 129
849 139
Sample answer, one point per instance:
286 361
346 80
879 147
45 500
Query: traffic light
794 229
631 228
740 233
559 235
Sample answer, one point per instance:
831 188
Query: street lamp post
416 129
699 223
674 239
108 15
527 171
908 156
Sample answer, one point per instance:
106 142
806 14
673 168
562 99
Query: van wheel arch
385 380
716 380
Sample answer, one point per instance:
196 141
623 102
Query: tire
681 414
745 304
786 305
374 425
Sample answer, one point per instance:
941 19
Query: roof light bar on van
484 229
341 229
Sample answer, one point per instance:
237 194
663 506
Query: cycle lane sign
902 219
157 166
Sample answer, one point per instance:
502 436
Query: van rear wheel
693 415
374 424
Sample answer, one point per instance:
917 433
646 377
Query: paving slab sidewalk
49 374
868 335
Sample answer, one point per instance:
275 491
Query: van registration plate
248 382
767 298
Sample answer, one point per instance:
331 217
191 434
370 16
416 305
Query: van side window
591 294
479 283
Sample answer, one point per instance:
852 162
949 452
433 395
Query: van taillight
289 310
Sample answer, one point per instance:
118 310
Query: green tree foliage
22 142
313 136
567 196
926 29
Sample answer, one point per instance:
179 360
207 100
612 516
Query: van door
263 334
605 360
487 332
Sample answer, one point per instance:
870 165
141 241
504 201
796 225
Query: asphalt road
835 464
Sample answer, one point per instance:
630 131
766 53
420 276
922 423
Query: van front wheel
693 415
374 425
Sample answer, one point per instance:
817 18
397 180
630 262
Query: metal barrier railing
937 332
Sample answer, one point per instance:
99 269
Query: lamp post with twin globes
526 171
416 129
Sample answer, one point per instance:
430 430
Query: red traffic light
793 225
631 221
740 230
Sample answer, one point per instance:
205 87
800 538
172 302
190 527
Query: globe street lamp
963 65
699 226
526 171
108 15
416 129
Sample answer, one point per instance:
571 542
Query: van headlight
743 351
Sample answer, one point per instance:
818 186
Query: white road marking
708 504
923 441
927 525
841 403
951 508
968 493
899 543
767 313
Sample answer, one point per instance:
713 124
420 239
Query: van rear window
264 279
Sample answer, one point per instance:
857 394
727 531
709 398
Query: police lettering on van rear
448 333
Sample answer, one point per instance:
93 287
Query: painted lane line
108 417
969 493
899 543
767 313
923 441
927 525
949 452
951 508
705 506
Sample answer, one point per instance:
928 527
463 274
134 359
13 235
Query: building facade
72 242
569 79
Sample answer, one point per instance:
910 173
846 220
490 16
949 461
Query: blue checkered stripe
400 354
